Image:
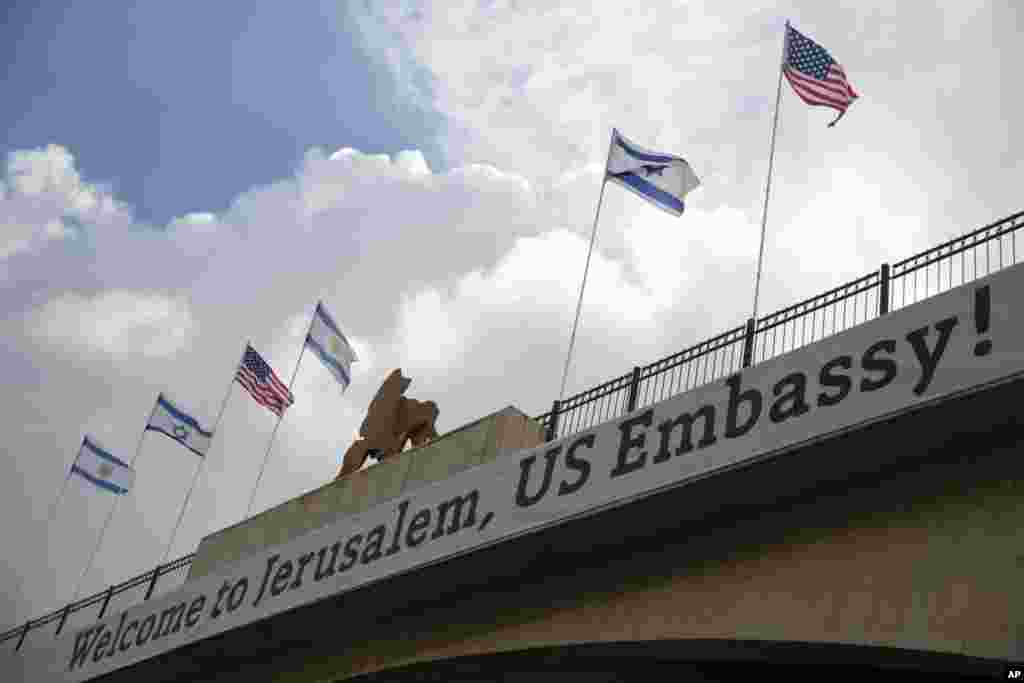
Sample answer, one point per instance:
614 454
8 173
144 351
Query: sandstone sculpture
391 420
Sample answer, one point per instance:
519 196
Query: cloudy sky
183 177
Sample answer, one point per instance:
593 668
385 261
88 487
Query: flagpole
768 184
113 507
56 503
202 463
60 495
586 268
280 417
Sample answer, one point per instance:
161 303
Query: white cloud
42 194
117 322
427 335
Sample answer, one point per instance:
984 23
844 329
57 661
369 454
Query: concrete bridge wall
928 558
904 538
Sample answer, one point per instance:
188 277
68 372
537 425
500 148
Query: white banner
955 342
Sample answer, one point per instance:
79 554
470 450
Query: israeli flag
661 179
170 420
327 342
102 469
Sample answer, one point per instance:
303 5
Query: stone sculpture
391 420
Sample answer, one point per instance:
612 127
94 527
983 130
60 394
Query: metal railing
120 596
938 269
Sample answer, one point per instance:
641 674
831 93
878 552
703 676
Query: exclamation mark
982 309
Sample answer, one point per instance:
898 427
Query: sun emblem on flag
180 432
105 470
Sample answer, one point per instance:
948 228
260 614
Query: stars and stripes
815 77
262 384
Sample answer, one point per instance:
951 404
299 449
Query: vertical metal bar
152 582
988 248
634 387
63 618
974 257
24 632
553 422
748 343
106 602
903 299
925 269
803 327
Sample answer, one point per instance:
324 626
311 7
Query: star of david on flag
99 467
170 420
662 179
331 346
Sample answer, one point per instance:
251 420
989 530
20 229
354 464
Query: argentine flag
102 469
661 179
330 345
170 420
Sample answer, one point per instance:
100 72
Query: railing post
634 389
63 618
106 601
24 632
883 289
553 422
748 343
152 582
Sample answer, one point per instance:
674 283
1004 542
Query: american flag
262 384
816 78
